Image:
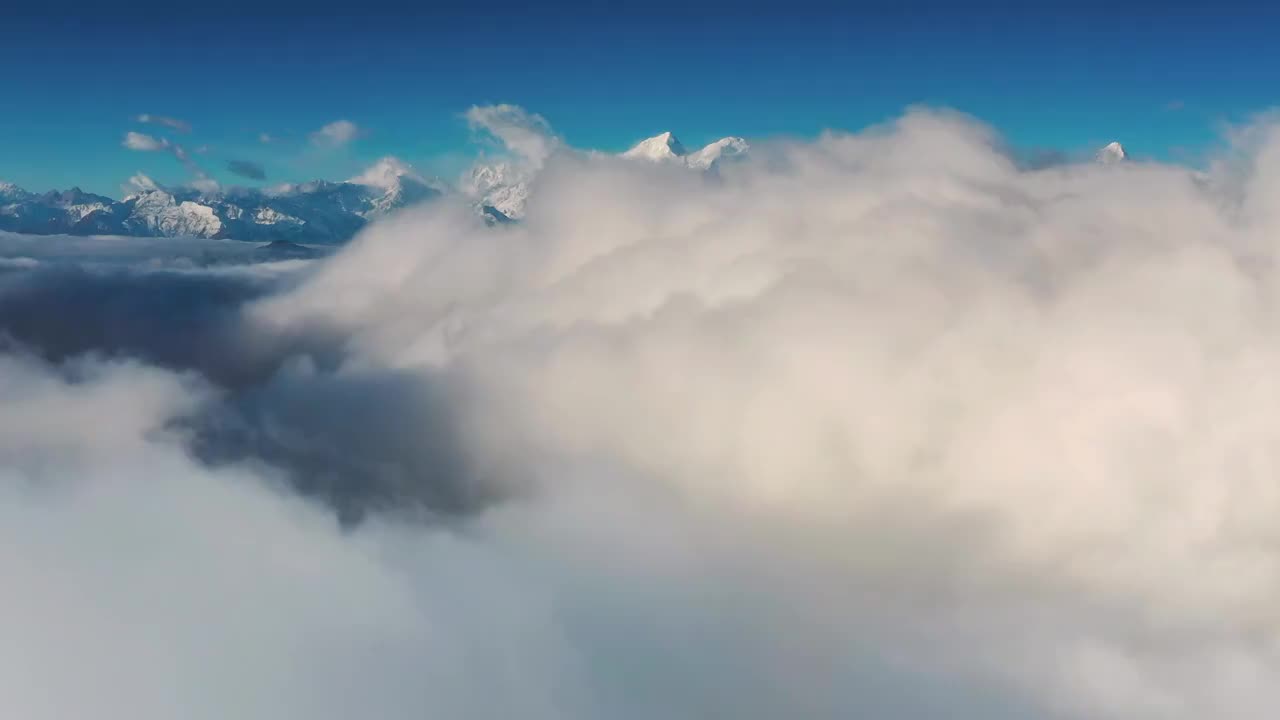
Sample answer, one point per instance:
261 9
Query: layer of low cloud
336 134
879 425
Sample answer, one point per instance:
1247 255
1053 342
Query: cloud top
887 424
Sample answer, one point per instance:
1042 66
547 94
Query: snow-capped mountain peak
502 187
319 211
158 213
1111 153
313 212
666 148
657 148
723 148
12 193
387 173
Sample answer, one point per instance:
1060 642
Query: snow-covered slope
659 148
10 193
502 187
399 184
160 214
76 202
711 154
666 148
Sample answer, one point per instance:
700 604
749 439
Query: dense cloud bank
880 425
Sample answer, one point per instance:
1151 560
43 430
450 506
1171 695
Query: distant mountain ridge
315 212
322 211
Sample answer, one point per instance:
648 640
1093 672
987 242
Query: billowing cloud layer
882 425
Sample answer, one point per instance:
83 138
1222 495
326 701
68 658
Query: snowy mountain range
313 212
321 212
666 148
501 190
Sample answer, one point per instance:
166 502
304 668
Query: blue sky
1163 79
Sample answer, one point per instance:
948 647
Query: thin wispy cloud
265 138
144 143
181 126
335 134
140 183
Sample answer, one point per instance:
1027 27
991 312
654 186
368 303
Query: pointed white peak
657 148
666 148
12 192
386 174
1111 153
722 148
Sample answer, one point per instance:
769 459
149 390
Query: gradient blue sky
1163 79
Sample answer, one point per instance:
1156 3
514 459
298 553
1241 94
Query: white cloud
149 143
899 361
172 123
144 143
879 425
140 183
335 134
264 138
205 184
524 134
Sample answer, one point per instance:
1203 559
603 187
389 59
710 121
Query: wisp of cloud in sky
882 425
335 134
143 142
172 123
